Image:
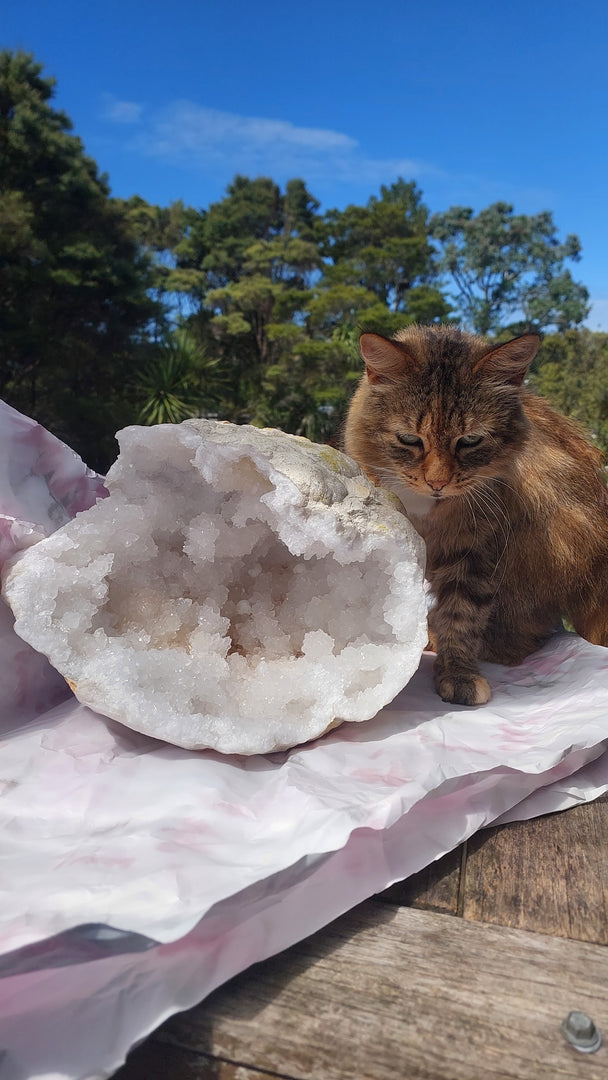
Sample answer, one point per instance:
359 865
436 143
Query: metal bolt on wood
581 1032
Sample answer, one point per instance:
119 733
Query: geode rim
240 589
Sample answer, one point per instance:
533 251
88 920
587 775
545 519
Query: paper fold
113 842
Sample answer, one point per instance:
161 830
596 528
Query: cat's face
444 413
440 448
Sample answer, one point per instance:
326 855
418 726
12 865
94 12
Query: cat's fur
515 524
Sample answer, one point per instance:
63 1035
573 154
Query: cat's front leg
456 624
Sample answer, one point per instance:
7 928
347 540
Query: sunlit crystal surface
242 590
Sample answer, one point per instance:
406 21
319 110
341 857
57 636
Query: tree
219 237
384 248
280 292
74 307
509 266
117 310
256 256
571 369
162 234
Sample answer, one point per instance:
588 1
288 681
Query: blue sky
475 101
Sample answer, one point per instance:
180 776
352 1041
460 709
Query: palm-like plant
180 382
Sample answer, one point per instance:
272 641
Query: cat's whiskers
515 480
481 506
493 499
498 480
462 561
474 493
494 507
385 474
382 473
493 504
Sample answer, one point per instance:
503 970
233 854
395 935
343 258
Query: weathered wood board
386 993
549 874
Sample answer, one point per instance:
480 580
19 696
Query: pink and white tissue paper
137 876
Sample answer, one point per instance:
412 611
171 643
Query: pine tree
74 307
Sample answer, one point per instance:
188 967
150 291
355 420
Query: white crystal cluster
240 589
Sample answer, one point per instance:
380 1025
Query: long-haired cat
509 495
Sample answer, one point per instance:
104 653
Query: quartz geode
240 589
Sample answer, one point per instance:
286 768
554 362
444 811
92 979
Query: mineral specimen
240 589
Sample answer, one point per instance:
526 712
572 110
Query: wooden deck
463 972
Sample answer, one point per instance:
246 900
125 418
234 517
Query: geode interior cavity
240 589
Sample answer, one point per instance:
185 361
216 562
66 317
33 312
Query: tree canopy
508 266
116 311
572 371
75 304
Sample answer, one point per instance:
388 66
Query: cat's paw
463 689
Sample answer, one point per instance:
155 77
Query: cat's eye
409 440
468 441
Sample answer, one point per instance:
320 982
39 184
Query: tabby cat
509 495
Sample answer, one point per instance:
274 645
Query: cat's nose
436 487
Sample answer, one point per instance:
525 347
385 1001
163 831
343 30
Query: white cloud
203 139
194 134
120 112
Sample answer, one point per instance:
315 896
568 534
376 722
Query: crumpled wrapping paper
137 877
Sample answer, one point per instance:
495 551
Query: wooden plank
158 1061
436 888
385 993
549 874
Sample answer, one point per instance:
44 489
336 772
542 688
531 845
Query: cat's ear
384 360
509 362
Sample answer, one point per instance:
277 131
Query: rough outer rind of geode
241 589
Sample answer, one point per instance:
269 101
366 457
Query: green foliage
505 265
571 370
74 303
162 234
280 280
117 311
384 247
179 381
257 257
